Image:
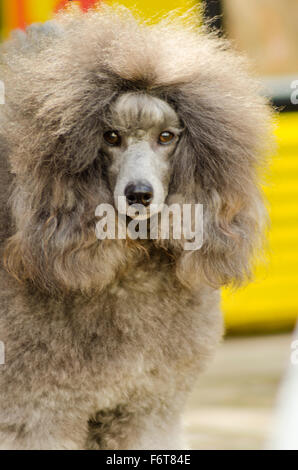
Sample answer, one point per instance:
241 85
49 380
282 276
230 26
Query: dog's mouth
138 211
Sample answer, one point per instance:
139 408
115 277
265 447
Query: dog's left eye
166 137
112 138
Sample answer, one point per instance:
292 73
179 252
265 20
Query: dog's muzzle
139 186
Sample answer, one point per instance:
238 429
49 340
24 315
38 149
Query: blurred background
234 405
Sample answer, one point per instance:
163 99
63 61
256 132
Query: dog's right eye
112 138
166 137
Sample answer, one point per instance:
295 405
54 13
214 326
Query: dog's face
138 147
173 135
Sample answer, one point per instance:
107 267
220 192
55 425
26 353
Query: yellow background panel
156 7
271 301
42 10
37 11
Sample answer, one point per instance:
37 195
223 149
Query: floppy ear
234 223
54 245
218 161
233 234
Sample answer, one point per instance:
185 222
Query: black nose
139 193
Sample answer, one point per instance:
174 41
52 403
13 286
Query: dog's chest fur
143 330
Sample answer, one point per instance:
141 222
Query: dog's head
137 149
103 106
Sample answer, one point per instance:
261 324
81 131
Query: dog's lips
137 212
140 212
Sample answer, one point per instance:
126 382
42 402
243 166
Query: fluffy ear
233 235
57 250
234 224
219 163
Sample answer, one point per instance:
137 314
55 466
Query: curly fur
104 339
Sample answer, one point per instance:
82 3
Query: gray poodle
104 338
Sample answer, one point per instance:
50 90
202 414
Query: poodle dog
104 338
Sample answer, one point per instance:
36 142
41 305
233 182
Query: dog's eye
166 137
112 138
